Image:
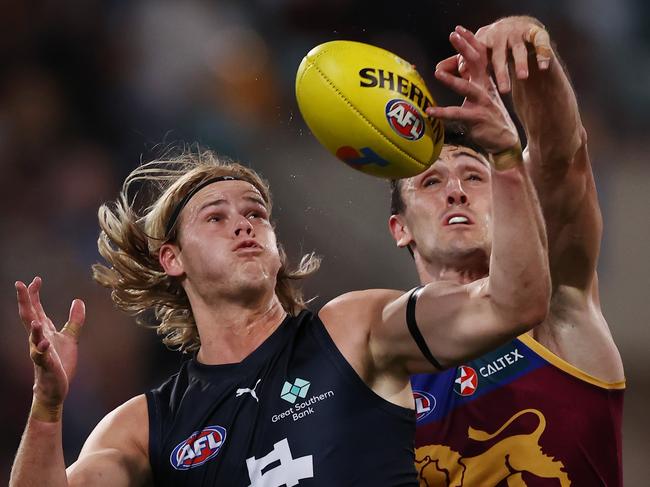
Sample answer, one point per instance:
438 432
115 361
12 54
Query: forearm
40 461
546 104
519 283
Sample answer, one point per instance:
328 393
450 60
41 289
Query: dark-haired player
544 409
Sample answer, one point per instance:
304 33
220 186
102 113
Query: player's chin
465 245
463 235
253 280
257 270
252 268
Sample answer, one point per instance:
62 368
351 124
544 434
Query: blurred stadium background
88 88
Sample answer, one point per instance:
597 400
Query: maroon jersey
518 416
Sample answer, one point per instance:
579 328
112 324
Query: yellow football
367 106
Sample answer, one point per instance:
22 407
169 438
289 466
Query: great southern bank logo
291 392
200 447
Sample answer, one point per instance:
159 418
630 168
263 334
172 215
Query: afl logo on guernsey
466 381
425 403
200 447
405 119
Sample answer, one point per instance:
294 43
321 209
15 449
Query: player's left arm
524 60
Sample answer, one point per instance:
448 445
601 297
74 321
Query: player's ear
170 260
399 230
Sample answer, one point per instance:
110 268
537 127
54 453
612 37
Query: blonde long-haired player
273 394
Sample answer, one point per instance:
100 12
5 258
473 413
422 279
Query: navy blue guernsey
292 413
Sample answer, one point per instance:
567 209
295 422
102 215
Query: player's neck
230 332
461 271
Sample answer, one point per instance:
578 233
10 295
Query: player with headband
274 395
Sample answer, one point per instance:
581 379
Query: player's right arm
515 296
115 453
459 321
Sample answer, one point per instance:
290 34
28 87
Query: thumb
76 319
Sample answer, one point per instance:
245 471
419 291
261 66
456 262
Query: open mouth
454 220
457 220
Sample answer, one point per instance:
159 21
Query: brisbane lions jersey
292 413
519 415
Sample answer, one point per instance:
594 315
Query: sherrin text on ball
367 106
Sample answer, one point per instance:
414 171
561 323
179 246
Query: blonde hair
133 230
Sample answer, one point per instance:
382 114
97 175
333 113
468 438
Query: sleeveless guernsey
292 413
519 415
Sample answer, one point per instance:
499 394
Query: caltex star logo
466 381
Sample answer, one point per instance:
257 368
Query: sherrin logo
200 447
405 119
425 403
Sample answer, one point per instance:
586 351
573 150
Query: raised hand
510 38
53 352
482 110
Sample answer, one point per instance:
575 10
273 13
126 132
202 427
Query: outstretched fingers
25 308
472 41
450 113
520 57
464 87
471 60
469 82
34 291
471 50
469 54
450 65
38 345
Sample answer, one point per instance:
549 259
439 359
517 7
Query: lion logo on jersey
439 465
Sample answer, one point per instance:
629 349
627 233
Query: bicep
107 467
457 323
116 452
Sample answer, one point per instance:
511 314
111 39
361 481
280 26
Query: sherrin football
367 106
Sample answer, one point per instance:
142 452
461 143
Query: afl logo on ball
200 447
405 119
425 403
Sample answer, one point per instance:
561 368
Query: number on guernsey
289 471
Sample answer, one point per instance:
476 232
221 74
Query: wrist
45 412
507 158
